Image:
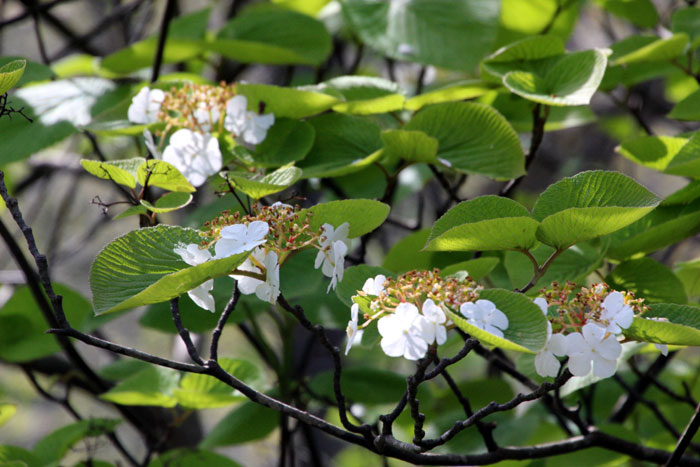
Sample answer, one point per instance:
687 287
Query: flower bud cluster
198 107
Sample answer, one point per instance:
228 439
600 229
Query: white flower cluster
595 344
334 245
195 152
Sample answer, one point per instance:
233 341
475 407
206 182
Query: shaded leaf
648 279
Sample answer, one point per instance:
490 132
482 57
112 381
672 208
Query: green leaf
571 81
14 456
273 35
365 95
191 457
6 412
353 280
459 91
344 144
687 20
122 369
23 327
648 279
473 138
484 223
477 268
122 172
287 141
272 183
286 102
247 422
206 392
132 211
533 54
689 274
408 254
10 74
589 205
655 152
518 112
427 31
163 175
639 12
184 42
654 50
33 71
141 268
152 386
169 202
680 325
685 195
363 384
363 215
688 108
412 146
527 326
523 18
664 226
51 449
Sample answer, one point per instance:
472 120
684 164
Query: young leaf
484 223
169 202
247 422
676 325
205 392
152 386
473 138
648 279
163 175
285 102
272 183
10 74
51 449
273 35
527 326
141 268
363 215
589 205
122 172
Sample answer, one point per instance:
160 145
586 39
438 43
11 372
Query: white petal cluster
238 238
145 106
546 362
197 156
331 258
249 126
267 290
593 346
484 315
616 313
406 333
374 286
354 335
194 256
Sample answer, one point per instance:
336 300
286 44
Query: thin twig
184 333
216 334
684 441
162 36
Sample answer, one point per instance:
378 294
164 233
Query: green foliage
648 279
163 175
10 74
363 385
640 12
287 141
247 422
51 449
408 253
6 412
363 215
190 457
168 202
153 386
667 324
123 172
206 392
286 102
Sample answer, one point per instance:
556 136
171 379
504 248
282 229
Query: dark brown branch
184 333
685 439
625 406
162 37
216 334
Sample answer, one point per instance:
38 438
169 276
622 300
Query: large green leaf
427 31
654 50
141 268
206 392
687 20
473 138
655 152
286 102
688 108
364 95
278 36
477 268
191 457
413 146
10 74
364 385
484 223
571 81
287 141
15 456
459 91
663 226
272 183
184 42
122 172
363 215
689 274
527 326
344 144
648 279
51 449
678 325
640 12
533 54
151 386
408 253
247 422
163 175
525 18
589 205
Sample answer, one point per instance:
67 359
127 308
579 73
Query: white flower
195 155
247 284
238 238
405 49
484 315
374 286
145 106
351 330
336 272
245 124
616 313
194 256
663 348
546 363
151 144
405 333
206 117
594 345
267 290
436 319
542 303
